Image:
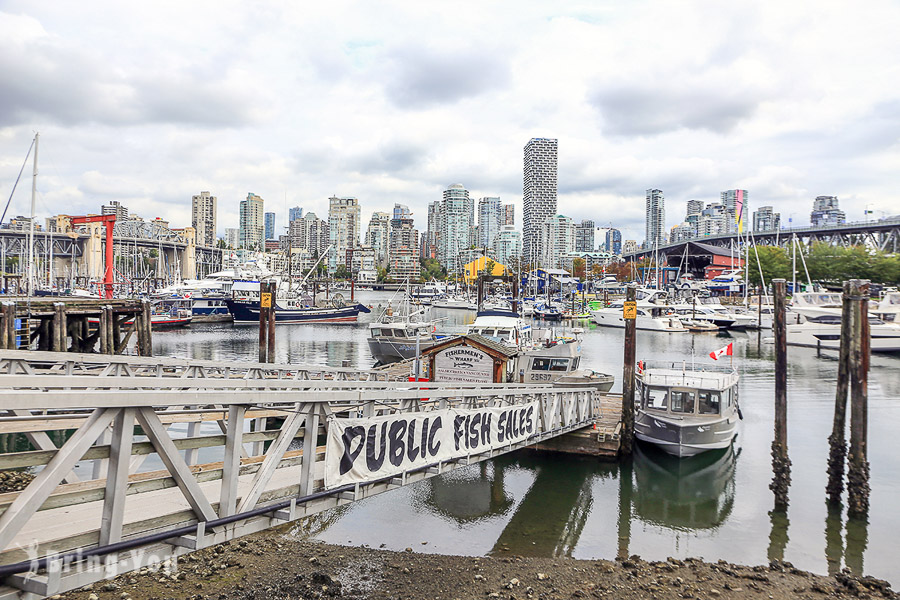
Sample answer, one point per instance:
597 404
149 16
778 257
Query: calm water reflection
714 506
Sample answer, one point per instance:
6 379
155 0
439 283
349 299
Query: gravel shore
271 566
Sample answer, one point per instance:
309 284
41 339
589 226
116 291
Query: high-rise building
294 214
737 210
509 215
694 207
309 233
404 249
584 236
115 208
203 218
508 246
539 194
558 241
765 219
629 247
233 237
343 227
490 214
401 211
270 226
432 231
378 236
826 211
456 231
251 223
614 241
655 234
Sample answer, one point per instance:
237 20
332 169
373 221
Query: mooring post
58 332
4 327
270 316
781 463
263 319
145 343
858 468
104 331
628 371
837 445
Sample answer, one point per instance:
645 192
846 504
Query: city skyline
152 110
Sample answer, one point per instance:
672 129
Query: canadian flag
726 351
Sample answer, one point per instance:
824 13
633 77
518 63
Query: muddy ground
271 565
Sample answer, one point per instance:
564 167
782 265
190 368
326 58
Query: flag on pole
726 351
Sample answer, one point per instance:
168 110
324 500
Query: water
714 506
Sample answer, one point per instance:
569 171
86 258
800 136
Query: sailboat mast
34 175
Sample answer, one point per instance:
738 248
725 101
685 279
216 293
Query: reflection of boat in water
467 495
693 493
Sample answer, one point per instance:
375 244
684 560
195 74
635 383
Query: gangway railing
234 455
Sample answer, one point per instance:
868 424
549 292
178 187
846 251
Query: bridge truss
92 512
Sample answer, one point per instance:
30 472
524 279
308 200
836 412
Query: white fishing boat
686 410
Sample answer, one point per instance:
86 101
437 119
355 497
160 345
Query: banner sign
360 450
465 364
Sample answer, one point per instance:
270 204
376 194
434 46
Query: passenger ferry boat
544 355
290 306
686 410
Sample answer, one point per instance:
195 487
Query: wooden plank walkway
602 440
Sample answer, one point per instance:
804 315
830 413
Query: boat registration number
540 377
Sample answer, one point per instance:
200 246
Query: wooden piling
58 333
628 376
145 340
837 445
858 366
4 327
781 463
111 337
104 330
270 316
11 327
263 321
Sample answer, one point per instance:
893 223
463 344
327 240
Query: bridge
224 450
883 234
143 250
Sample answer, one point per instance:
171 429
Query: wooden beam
117 478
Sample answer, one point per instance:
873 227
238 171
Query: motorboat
650 317
809 305
888 308
730 282
168 313
824 332
402 335
454 302
703 314
426 294
547 312
291 306
686 410
544 355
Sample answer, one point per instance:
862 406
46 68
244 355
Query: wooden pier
61 324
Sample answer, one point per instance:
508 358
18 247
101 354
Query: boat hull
388 350
248 312
685 439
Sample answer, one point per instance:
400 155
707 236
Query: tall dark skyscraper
539 194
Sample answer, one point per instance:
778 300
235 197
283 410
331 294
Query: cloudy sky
149 103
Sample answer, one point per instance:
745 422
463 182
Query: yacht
806 305
544 355
825 332
686 410
888 308
650 317
426 294
454 302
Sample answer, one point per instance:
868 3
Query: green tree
774 262
578 268
342 272
432 269
489 265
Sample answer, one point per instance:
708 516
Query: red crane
109 221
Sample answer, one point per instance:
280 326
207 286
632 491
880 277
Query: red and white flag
726 351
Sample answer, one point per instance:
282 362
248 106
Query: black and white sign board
360 450
465 364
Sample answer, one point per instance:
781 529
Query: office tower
614 241
490 213
456 231
377 236
115 208
203 218
401 211
508 246
655 230
539 194
737 210
584 236
343 227
270 226
826 211
558 241
233 237
430 239
251 223
294 214
765 219
310 233
509 215
404 248
629 247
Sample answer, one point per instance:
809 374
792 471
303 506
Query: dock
602 440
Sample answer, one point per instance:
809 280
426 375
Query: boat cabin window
657 398
540 364
376 332
559 364
575 362
682 401
708 402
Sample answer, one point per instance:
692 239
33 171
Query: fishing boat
401 335
290 306
686 410
170 313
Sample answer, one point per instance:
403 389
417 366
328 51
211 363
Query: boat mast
31 226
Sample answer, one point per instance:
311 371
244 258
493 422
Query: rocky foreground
269 566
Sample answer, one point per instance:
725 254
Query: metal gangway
236 448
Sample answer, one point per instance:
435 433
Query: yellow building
479 266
